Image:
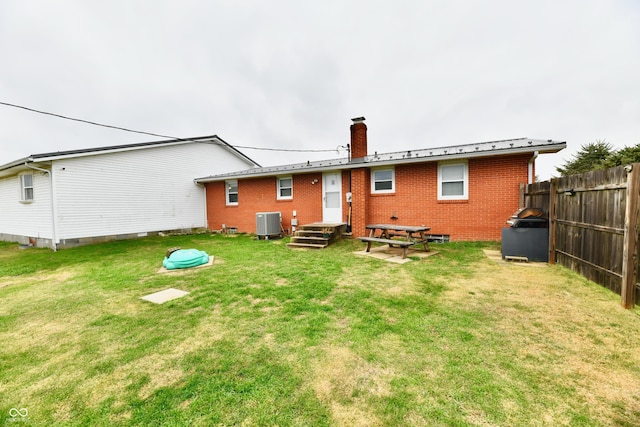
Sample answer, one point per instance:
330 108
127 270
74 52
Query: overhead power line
89 122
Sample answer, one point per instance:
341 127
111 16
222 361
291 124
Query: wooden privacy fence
593 225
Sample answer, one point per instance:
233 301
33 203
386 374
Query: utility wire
33 110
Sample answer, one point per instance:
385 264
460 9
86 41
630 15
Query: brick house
465 192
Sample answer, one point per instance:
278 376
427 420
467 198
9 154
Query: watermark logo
18 414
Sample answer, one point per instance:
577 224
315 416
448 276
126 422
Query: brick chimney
358 139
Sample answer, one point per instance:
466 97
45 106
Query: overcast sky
291 74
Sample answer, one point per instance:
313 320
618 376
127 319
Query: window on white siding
26 187
285 188
383 181
453 181
231 189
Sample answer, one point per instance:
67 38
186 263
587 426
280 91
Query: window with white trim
453 181
231 190
383 180
26 187
285 188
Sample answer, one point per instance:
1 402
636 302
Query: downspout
53 213
204 193
350 195
531 178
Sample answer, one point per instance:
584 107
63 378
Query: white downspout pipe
53 212
531 163
204 196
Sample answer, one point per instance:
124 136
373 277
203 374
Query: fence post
630 250
552 220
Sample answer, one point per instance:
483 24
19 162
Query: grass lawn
275 336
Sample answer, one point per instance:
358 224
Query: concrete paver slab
496 256
394 254
164 296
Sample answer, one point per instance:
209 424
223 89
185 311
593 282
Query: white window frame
465 181
373 180
280 187
24 198
228 186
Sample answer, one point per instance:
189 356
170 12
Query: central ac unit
268 223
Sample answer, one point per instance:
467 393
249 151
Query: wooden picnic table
385 233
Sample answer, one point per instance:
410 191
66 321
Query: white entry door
332 197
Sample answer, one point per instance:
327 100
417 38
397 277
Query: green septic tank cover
185 258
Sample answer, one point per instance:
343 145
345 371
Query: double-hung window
231 190
383 181
26 187
285 188
453 181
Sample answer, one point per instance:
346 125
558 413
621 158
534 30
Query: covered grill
527 237
528 218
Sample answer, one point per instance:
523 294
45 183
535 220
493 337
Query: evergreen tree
592 156
624 156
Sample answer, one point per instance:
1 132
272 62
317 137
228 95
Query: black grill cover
528 218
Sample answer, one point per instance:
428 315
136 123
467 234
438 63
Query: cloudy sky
291 74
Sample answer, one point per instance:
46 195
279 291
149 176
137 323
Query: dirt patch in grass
49 279
343 381
390 281
160 376
282 282
153 372
210 329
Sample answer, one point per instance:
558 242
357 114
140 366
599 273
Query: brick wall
493 197
360 189
259 195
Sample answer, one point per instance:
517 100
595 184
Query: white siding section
145 190
26 219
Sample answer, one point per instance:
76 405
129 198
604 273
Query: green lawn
274 336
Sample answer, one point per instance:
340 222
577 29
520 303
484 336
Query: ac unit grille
268 223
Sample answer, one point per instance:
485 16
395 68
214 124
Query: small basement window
231 190
285 188
26 187
382 181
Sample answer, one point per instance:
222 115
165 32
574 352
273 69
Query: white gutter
531 163
53 212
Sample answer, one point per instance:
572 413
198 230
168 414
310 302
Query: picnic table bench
414 235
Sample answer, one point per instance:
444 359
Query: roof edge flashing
503 147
